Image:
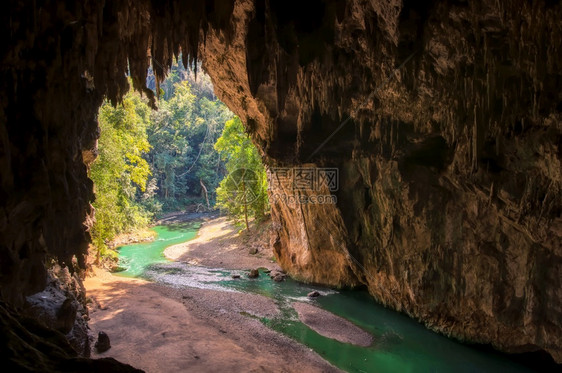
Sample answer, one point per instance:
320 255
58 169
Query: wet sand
162 329
332 326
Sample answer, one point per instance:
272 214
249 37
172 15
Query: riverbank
139 235
164 329
146 234
208 316
219 244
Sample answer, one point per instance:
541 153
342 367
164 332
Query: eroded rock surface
62 306
36 348
450 175
449 200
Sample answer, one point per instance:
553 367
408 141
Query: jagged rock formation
28 346
449 203
62 306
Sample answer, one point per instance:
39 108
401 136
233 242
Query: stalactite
431 138
475 141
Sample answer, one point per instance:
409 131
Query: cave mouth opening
171 167
152 163
60 59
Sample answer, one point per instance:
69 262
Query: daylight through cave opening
449 194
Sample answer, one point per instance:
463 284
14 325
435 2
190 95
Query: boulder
102 343
313 294
254 273
66 315
277 276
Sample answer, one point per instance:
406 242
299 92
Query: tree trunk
245 205
205 193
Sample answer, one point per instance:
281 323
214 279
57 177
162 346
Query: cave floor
160 328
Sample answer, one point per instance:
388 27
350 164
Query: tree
120 171
243 191
153 161
184 162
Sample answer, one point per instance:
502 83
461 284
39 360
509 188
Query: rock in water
254 273
235 276
277 276
313 294
102 344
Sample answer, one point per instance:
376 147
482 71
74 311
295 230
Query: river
400 343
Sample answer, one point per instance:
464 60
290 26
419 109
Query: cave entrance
181 201
60 59
168 169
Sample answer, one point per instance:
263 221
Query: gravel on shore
160 328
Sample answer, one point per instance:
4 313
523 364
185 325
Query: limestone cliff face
449 204
449 201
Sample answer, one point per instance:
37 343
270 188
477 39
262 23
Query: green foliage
182 135
243 192
120 172
166 160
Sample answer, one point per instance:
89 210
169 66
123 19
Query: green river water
136 258
401 344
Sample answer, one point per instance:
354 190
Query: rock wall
58 60
449 200
29 346
62 306
449 204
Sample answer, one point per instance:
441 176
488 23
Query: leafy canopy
243 192
120 170
180 155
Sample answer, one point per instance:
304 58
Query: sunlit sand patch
332 326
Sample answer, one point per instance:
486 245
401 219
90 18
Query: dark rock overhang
452 158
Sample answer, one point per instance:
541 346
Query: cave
443 118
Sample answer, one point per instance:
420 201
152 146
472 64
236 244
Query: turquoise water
400 343
136 258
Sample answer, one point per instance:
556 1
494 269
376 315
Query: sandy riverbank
162 329
218 244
